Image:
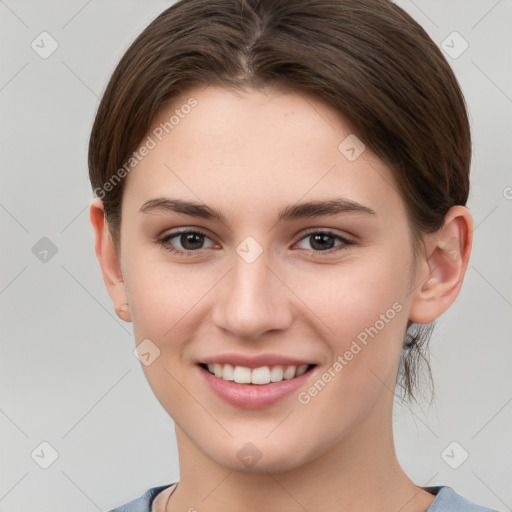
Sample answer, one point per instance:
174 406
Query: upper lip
255 361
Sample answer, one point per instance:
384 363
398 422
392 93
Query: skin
249 154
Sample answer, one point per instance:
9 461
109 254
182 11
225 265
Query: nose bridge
251 299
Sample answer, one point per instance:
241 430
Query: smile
259 376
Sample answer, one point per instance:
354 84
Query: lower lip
253 396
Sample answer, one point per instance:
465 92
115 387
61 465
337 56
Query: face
258 274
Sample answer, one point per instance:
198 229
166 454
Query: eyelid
328 231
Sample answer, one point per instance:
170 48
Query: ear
109 260
442 268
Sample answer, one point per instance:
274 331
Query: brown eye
183 242
325 242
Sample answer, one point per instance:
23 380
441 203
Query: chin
260 456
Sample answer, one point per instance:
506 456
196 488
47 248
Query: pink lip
255 361
253 396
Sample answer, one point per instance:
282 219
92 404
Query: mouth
256 376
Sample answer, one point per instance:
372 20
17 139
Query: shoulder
447 500
142 504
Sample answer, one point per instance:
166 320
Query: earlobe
442 269
109 261
123 312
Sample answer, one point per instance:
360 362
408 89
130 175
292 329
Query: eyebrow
294 211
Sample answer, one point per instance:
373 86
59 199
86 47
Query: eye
190 241
324 242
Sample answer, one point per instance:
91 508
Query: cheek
162 294
164 301
363 312
366 318
349 298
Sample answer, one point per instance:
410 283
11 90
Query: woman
280 211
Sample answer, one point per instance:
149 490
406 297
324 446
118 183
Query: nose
252 299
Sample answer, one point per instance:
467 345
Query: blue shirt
446 500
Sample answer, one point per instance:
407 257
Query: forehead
251 117
256 146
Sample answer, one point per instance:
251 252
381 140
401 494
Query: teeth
289 373
276 374
301 370
262 375
241 375
228 372
217 370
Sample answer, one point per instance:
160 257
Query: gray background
68 374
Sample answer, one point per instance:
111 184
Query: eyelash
164 242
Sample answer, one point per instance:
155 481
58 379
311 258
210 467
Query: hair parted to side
367 58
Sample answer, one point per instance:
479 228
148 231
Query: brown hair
367 58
